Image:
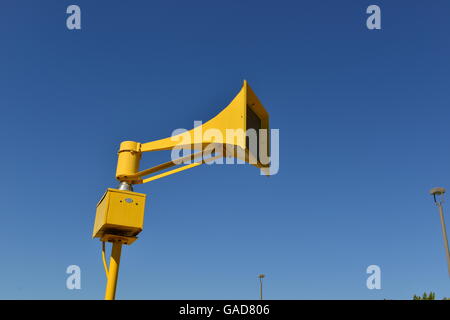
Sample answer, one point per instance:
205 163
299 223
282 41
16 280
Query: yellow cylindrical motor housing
128 161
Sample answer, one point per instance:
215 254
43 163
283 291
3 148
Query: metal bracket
115 238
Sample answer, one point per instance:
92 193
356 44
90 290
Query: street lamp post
440 192
261 276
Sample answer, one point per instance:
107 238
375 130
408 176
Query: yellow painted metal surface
188 166
128 159
119 213
232 117
113 272
236 116
112 238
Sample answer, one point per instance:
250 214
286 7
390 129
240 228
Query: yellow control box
119 213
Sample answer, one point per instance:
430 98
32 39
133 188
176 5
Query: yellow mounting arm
130 161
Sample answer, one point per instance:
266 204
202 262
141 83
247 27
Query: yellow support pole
113 271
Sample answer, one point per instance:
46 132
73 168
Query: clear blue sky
364 134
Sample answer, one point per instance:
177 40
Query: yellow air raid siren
227 129
120 212
241 131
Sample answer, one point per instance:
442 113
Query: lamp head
437 191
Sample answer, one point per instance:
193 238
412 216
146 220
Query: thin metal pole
260 288
444 233
113 272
